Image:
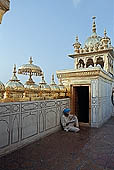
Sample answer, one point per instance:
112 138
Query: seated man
69 122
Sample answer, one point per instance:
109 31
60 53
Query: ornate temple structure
31 111
4 7
91 82
90 85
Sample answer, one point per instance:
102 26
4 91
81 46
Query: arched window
81 64
100 62
90 63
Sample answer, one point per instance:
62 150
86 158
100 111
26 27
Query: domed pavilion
91 81
14 89
32 90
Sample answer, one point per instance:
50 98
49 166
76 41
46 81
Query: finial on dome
52 79
94 25
30 61
43 76
14 70
43 81
76 38
105 32
14 77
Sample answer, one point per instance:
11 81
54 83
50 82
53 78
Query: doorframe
72 86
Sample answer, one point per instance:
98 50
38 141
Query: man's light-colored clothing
70 123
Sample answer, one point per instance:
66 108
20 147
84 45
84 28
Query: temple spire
43 81
76 38
14 77
105 32
52 79
30 61
94 25
14 70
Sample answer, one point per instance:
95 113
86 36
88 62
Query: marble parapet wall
25 122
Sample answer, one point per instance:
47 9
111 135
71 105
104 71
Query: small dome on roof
44 86
14 83
33 87
53 85
94 39
2 87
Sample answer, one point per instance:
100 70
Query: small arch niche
100 62
90 62
81 64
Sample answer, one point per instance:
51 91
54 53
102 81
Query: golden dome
44 86
2 87
14 83
30 69
32 87
54 87
31 90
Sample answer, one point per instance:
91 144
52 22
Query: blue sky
46 30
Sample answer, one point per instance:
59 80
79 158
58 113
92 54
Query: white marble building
91 82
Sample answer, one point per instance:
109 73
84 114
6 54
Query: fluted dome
31 90
14 83
92 41
2 87
44 86
54 86
33 87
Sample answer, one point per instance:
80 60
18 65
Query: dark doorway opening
81 103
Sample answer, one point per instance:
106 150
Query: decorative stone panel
25 122
101 106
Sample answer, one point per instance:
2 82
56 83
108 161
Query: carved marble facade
25 122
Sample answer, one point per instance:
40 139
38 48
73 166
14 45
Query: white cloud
76 2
